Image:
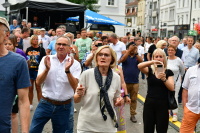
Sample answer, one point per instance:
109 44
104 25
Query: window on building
182 19
183 3
171 14
111 2
166 15
186 19
155 5
195 4
154 20
150 5
161 15
133 10
179 3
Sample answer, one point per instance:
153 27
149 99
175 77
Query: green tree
88 3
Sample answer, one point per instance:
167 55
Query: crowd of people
99 70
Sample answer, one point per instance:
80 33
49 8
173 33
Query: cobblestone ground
131 127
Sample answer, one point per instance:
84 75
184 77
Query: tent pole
27 14
49 21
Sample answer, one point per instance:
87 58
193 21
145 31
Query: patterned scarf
104 99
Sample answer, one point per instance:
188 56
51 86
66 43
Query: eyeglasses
8 44
63 44
102 54
4 30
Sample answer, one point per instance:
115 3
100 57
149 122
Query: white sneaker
75 110
175 118
31 107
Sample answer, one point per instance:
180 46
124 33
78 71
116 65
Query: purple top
21 52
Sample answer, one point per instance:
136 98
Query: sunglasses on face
63 44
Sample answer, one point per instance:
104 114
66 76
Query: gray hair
113 35
68 39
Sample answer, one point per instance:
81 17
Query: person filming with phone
159 81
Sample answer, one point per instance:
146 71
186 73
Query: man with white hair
43 39
174 41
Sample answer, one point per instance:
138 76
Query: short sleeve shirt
84 45
13 75
118 48
52 47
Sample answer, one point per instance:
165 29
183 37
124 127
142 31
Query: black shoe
133 119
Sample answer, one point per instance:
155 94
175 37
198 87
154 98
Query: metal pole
27 14
161 30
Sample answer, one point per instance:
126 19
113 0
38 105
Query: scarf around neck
104 98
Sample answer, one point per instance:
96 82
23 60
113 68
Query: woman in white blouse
99 90
175 64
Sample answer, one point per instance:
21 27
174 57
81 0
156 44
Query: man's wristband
126 95
67 71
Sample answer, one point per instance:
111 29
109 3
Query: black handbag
172 104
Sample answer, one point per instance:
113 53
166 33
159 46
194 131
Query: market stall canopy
50 13
59 5
95 18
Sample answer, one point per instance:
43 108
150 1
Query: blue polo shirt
52 47
130 70
14 75
12 27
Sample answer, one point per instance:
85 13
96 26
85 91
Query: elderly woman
99 89
159 81
175 64
35 54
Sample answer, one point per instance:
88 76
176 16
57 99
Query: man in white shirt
117 46
43 39
60 74
191 99
138 43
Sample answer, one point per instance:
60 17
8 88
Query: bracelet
67 71
126 95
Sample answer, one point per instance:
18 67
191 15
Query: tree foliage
88 3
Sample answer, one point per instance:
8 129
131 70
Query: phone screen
160 68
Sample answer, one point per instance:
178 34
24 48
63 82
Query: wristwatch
126 95
67 71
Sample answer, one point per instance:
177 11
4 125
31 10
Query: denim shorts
33 74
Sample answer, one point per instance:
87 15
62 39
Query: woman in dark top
34 54
159 80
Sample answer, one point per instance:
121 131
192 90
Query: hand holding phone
160 68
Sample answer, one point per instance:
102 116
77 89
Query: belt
57 102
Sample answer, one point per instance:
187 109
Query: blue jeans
60 116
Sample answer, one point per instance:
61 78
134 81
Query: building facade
114 9
167 18
141 17
131 17
195 23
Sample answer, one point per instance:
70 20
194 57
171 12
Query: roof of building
131 4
